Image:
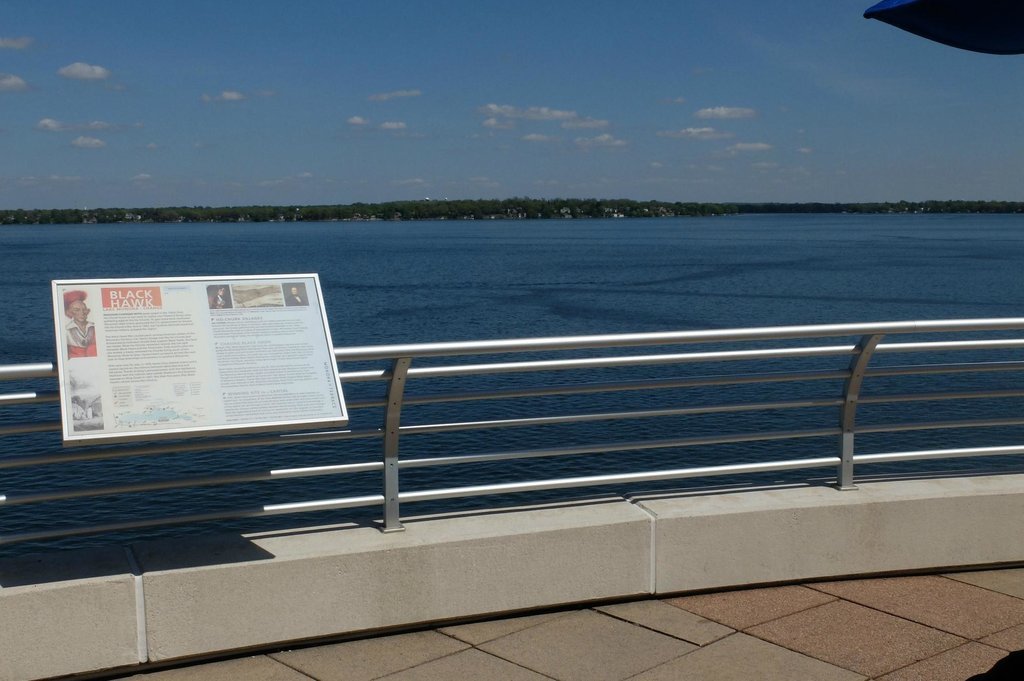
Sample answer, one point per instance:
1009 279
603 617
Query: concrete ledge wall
357 579
66 613
80 611
711 542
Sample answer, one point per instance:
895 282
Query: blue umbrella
993 26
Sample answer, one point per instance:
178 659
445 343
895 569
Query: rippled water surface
387 282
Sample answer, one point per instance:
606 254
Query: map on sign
145 358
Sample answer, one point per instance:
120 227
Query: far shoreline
485 209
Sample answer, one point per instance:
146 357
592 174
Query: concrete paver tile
742 609
370 658
481 632
947 604
587 646
854 637
258 668
1009 582
742 658
1008 639
956 664
670 620
469 664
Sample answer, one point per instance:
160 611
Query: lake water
389 282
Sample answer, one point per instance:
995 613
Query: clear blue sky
178 102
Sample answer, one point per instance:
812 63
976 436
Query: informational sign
149 358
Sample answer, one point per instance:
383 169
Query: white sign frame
191 356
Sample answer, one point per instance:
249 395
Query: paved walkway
929 628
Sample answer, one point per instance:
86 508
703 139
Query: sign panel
149 358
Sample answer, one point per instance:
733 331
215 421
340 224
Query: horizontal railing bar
48 369
930 397
607 362
615 416
29 398
887 457
944 346
267 510
190 447
182 483
938 425
15 372
637 445
683 358
23 428
361 376
920 369
669 338
622 386
597 480
625 361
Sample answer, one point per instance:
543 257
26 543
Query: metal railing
782 368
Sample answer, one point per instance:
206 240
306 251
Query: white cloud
533 113
534 137
84 142
750 146
32 180
142 177
357 120
505 116
585 123
764 165
53 125
50 125
605 141
392 125
498 124
676 100
225 96
11 83
805 150
82 71
152 145
385 96
412 181
695 133
304 176
15 43
726 112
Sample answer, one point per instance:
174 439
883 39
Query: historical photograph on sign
86 398
258 295
79 332
218 296
295 294
174 357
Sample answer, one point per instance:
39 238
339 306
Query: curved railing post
392 422
848 417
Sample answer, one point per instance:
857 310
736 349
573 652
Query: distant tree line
482 209
895 207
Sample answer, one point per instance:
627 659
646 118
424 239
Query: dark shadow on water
60 566
1010 668
191 552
